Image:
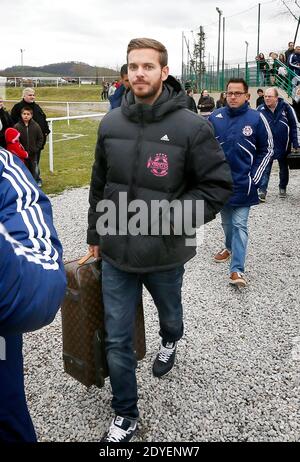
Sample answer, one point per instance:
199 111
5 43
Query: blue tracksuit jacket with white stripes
32 284
294 62
283 123
247 142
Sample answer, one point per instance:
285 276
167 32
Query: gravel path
237 372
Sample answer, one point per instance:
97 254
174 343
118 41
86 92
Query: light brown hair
139 43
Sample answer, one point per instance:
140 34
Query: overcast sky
97 32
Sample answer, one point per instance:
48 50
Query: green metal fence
277 74
212 81
285 78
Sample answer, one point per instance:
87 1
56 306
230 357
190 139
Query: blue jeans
235 225
283 175
262 78
121 294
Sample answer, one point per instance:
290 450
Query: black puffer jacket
5 122
190 103
151 153
206 104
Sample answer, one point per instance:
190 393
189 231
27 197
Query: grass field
63 93
73 159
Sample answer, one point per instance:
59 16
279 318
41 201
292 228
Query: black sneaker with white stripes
120 430
165 359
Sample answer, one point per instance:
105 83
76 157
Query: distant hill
69 69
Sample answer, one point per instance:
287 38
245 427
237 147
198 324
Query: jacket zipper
27 136
132 186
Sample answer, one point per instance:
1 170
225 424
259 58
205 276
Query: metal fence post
51 147
68 113
51 120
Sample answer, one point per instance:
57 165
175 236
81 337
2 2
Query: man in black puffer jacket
151 149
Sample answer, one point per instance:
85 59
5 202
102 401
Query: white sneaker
120 430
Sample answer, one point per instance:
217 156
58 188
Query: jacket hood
171 99
11 135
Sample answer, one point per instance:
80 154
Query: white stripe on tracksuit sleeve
32 277
260 170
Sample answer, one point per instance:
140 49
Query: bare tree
289 9
197 61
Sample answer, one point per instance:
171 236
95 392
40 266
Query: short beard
153 93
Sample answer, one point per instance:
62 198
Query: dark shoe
222 256
262 196
120 430
39 183
165 359
237 279
282 193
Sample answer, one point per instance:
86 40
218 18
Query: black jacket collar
171 99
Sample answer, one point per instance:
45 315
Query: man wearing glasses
247 141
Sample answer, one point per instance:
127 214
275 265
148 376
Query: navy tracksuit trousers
15 421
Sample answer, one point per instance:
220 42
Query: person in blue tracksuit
294 60
116 99
283 123
32 284
247 142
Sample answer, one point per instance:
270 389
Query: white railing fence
70 108
59 81
50 138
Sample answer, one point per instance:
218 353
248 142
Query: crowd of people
276 64
24 131
189 166
112 91
206 103
283 121
149 147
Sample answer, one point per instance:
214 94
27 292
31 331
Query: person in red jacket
13 144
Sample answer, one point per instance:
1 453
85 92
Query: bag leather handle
85 258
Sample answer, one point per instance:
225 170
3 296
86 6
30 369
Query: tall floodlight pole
219 39
258 29
182 57
189 58
22 51
201 57
296 33
246 57
223 53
